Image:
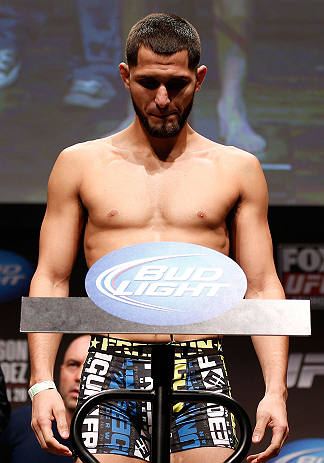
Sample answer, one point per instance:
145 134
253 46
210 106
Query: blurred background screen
264 89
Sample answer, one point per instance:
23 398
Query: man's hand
271 413
48 406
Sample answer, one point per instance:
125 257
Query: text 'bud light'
166 283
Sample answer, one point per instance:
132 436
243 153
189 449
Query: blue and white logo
15 275
302 451
166 283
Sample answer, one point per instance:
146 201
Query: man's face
162 90
71 371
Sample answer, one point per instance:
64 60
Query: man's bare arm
272 352
252 249
59 243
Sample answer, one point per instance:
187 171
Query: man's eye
176 85
149 84
73 365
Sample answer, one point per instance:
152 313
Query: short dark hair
164 34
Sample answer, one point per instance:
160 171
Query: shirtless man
158 180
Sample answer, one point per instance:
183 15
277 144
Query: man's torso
134 198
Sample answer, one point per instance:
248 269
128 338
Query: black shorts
124 428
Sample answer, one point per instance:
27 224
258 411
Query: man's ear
201 72
124 72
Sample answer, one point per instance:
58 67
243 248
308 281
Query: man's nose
162 97
78 374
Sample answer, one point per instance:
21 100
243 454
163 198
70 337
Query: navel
201 215
112 214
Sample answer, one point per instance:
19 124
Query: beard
165 130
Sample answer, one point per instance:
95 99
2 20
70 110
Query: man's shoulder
88 147
241 167
83 155
237 156
225 153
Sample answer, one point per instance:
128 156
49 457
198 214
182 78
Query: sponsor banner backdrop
19 233
301 269
15 275
14 360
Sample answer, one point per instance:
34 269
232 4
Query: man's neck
165 149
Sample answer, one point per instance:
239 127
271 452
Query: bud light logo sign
166 283
15 275
302 451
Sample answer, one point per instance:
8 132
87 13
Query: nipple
112 213
201 215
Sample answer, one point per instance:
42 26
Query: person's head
164 34
162 72
70 371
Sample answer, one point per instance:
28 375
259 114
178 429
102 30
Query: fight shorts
124 428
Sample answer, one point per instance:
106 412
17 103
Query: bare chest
128 195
